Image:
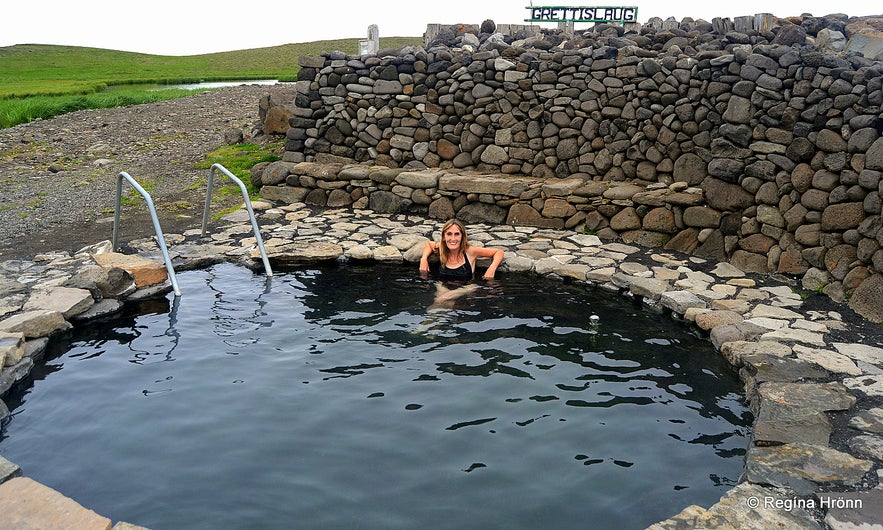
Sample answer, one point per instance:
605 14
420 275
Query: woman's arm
495 254
428 249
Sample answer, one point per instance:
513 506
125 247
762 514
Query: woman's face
453 236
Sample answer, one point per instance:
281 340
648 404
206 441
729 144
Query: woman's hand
497 256
424 259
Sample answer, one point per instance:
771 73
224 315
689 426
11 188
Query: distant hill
43 69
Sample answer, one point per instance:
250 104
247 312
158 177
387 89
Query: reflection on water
207 85
337 395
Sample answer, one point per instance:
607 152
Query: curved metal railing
159 234
247 200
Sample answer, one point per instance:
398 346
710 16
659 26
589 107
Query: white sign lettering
582 14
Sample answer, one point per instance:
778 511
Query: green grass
43 81
239 159
23 110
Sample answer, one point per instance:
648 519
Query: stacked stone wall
758 147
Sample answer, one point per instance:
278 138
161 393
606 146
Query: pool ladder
159 233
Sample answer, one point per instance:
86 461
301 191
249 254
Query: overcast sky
189 27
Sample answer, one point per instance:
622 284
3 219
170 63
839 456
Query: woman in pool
457 259
457 256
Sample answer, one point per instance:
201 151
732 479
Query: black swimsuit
461 273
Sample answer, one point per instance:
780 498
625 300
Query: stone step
27 504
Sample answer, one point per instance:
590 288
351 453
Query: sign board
582 14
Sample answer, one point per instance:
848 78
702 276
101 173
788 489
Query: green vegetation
43 81
133 197
23 110
239 159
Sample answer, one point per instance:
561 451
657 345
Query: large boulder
521 214
725 196
866 299
690 168
388 202
874 156
865 37
478 212
274 111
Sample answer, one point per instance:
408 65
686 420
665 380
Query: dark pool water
332 398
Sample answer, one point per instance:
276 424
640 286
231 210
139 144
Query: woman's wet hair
443 247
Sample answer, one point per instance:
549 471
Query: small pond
333 397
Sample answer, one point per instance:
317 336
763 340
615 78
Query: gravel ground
58 176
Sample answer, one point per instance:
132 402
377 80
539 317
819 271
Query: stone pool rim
648 291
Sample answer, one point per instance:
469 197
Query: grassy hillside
43 70
42 81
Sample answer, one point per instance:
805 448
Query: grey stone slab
122 525
867 445
573 270
648 287
601 275
852 510
679 301
551 264
388 254
200 256
733 332
12 347
35 348
635 269
804 467
620 248
870 420
13 374
8 470
861 352
811 396
725 270
789 424
735 351
768 311
299 252
517 263
745 507
586 240
150 292
870 45
11 303
795 335
36 323
105 307
765 367
771 324
827 359
26 503
870 384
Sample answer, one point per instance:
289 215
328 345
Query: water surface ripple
334 397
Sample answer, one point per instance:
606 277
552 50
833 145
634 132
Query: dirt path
58 176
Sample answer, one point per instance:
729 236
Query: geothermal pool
335 397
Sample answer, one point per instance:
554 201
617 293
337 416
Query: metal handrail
247 200
159 234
